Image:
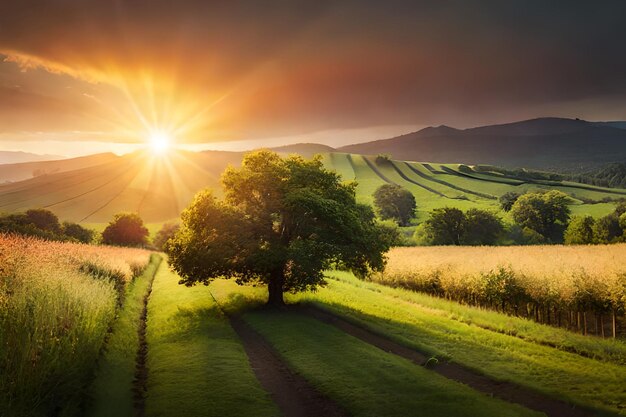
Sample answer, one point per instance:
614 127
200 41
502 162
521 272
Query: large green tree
282 222
395 202
545 213
446 226
580 231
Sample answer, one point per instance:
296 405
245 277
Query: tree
126 229
545 213
44 220
167 231
445 226
395 202
508 199
282 222
481 228
383 159
580 231
607 229
78 232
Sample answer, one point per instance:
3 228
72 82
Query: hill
26 170
160 188
11 157
546 143
305 149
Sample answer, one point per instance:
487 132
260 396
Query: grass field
111 393
464 335
196 364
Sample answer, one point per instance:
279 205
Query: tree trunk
275 289
614 323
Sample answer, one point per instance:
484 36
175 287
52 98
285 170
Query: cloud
226 71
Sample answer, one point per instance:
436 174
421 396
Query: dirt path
503 390
141 370
293 395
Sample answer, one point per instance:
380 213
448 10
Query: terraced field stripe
115 382
450 171
504 390
447 184
56 190
373 167
412 181
431 169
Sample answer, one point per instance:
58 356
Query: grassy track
557 373
365 380
359 377
451 334
196 364
111 390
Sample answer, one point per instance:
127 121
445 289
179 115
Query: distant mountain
619 125
304 149
26 170
545 143
12 157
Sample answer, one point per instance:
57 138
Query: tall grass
54 317
582 288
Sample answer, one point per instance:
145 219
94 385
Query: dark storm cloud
298 66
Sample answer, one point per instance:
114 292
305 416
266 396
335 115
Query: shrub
126 229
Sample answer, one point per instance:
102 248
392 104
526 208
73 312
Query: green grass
111 390
581 380
459 334
361 378
196 364
365 380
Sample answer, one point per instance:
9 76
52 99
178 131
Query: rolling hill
545 143
160 188
25 170
16 157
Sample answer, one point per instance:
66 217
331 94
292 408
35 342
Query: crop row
582 288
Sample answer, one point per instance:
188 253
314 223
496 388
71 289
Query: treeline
612 176
125 229
538 218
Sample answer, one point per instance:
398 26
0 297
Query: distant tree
395 202
167 231
508 199
126 229
78 232
44 219
545 213
481 227
580 231
607 229
283 222
383 159
620 208
445 226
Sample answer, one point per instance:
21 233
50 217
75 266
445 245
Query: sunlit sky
85 76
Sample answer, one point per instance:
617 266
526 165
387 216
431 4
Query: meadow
57 301
76 343
582 288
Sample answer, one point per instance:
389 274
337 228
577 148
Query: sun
160 142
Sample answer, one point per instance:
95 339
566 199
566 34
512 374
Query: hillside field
160 188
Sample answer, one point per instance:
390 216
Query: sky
83 76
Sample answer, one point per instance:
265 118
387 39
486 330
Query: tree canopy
282 222
545 213
126 229
451 226
396 203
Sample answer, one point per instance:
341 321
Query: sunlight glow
160 142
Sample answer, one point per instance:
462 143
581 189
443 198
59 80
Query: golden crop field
57 301
572 286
